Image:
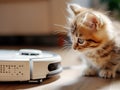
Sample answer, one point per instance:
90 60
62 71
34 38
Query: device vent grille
11 70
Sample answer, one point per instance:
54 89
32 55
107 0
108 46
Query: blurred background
32 22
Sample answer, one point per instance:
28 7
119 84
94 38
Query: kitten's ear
94 23
76 9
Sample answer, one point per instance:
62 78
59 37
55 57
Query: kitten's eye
90 40
80 41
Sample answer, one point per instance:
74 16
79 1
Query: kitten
93 35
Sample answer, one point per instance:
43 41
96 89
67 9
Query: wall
31 17
84 3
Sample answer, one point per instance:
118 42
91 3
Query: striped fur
94 36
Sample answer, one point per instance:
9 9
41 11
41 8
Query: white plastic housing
26 65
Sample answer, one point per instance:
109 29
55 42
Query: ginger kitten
93 35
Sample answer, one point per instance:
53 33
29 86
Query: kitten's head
89 28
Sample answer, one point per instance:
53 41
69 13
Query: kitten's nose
75 46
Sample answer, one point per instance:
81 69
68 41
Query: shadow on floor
26 85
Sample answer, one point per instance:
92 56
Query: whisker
62 26
60 32
67 45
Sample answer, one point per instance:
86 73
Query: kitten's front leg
104 73
109 71
89 71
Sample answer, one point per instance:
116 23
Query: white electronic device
28 65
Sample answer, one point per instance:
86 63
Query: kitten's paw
107 74
89 72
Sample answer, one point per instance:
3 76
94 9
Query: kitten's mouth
78 48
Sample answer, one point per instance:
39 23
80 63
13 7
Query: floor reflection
26 84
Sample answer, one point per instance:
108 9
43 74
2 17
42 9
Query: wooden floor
69 79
